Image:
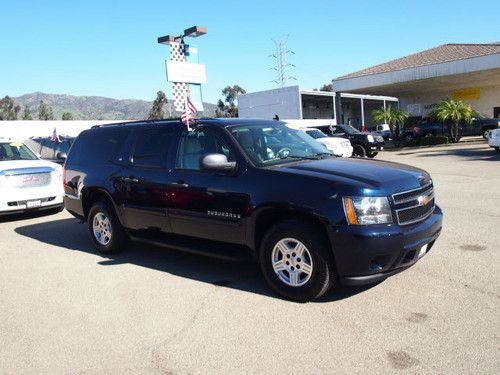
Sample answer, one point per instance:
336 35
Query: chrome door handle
179 184
130 179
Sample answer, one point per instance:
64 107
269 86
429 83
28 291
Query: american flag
54 137
188 113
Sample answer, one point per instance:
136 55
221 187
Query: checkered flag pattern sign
180 90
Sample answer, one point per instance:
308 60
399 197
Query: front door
204 204
144 184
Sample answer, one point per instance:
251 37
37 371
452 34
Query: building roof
437 55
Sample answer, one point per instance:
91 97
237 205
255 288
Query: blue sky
109 48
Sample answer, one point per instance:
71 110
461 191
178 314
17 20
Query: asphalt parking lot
67 309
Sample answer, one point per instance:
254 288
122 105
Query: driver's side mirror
61 155
217 163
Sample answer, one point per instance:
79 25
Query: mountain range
98 107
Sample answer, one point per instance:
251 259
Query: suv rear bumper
369 254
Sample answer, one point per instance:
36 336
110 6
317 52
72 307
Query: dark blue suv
235 188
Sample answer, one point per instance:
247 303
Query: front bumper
368 254
30 199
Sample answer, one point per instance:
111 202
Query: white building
468 72
295 103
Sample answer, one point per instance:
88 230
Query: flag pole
186 109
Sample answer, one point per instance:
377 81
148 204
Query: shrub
426 141
434 140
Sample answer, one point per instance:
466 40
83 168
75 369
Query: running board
212 249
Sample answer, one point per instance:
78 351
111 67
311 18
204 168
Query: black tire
497 149
117 235
359 150
371 155
322 276
485 133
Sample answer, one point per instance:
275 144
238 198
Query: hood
377 175
332 141
18 164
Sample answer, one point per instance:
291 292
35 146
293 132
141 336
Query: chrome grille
415 205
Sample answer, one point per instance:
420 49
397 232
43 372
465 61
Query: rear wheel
105 230
486 132
359 150
296 261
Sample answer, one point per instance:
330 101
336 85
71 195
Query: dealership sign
467 93
180 71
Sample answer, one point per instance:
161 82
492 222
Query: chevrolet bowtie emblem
423 200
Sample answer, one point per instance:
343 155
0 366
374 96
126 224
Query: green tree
67 116
229 107
8 108
327 87
453 113
391 117
44 112
156 112
27 114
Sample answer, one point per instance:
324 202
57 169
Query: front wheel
105 230
296 261
371 155
486 133
358 150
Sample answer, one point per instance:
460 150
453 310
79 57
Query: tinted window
152 146
198 143
97 146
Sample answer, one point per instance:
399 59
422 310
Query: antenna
281 66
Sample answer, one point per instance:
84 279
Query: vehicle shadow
475 153
67 235
27 215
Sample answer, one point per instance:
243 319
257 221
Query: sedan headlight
367 210
370 138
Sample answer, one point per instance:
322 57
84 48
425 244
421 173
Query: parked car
382 129
429 127
338 146
310 219
363 144
26 182
49 149
494 139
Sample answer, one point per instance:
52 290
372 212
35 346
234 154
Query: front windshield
350 129
315 133
15 151
276 143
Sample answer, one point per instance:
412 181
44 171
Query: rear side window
152 146
97 146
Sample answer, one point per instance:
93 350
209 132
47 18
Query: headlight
370 138
367 210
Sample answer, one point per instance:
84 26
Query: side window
198 143
47 151
151 147
97 146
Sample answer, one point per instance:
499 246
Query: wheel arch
268 216
90 195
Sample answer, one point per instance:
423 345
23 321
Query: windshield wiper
310 157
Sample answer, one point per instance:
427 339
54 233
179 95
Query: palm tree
453 113
391 117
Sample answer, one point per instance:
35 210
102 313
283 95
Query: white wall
21 130
420 103
284 102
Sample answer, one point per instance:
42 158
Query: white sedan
494 139
338 146
26 182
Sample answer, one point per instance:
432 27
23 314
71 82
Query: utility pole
281 64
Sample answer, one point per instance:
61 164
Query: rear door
144 184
